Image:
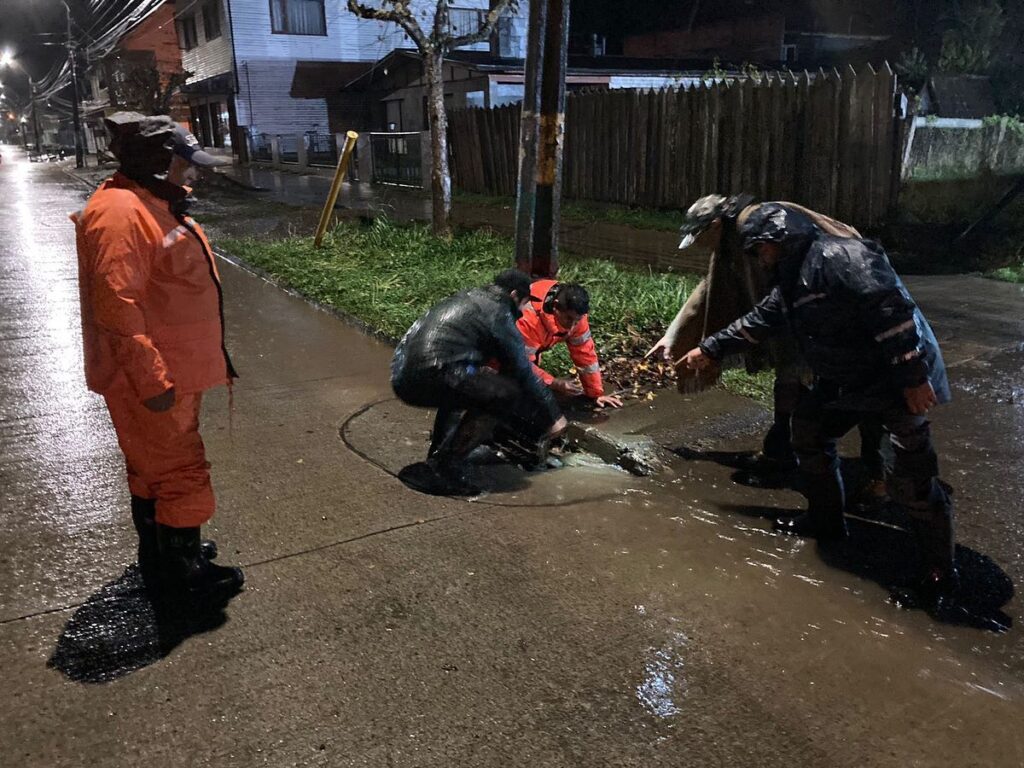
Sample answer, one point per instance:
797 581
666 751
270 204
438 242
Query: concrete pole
35 114
538 198
75 100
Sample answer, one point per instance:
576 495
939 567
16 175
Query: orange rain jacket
152 307
541 332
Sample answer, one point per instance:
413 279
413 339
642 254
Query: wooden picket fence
830 140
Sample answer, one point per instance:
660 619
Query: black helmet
775 223
704 211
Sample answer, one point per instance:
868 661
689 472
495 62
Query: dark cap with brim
179 141
705 211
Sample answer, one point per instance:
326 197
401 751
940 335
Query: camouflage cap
703 213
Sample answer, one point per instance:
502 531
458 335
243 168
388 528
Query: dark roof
484 61
965 96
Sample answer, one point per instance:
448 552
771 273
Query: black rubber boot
449 479
184 572
777 453
144 519
938 591
824 519
813 526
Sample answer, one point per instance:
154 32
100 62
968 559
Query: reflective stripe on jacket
150 294
541 332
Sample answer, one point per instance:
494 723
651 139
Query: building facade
279 67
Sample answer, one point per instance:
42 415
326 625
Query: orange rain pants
164 455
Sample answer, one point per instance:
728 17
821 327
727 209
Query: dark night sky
23 28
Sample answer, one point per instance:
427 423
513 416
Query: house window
187 37
211 19
298 17
465 21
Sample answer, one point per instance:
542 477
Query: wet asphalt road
580 618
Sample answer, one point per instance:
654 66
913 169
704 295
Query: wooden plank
885 139
580 139
714 134
488 141
669 121
705 132
654 148
761 138
682 150
804 126
812 154
497 139
740 171
570 161
512 113
589 192
627 106
725 139
865 149
835 155
847 149
621 132
777 123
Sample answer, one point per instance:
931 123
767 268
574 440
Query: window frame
323 17
214 6
183 39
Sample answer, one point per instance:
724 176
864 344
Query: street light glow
6 59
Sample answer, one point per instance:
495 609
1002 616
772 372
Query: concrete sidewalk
582 617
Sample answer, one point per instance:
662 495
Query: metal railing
396 159
288 148
321 149
261 148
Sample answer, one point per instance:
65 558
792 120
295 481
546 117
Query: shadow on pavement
878 550
121 629
492 477
745 463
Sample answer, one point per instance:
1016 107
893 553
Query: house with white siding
278 67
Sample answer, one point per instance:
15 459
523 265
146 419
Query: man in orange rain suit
153 331
558 312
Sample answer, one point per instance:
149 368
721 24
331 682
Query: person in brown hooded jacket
153 333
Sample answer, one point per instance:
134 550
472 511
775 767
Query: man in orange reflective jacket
153 332
558 312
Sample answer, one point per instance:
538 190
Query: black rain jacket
856 324
470 328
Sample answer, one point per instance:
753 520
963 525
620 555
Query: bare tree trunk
440 177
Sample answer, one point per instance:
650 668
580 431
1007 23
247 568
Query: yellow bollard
332 198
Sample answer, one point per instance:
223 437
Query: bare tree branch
399 14
489 23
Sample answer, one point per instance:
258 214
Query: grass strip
1013 274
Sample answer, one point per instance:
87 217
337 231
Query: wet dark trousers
470 401
778 442
914 483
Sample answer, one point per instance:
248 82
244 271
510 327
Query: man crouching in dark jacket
872 353
442 363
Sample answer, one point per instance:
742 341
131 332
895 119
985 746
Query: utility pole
542 132
73 57
35 114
